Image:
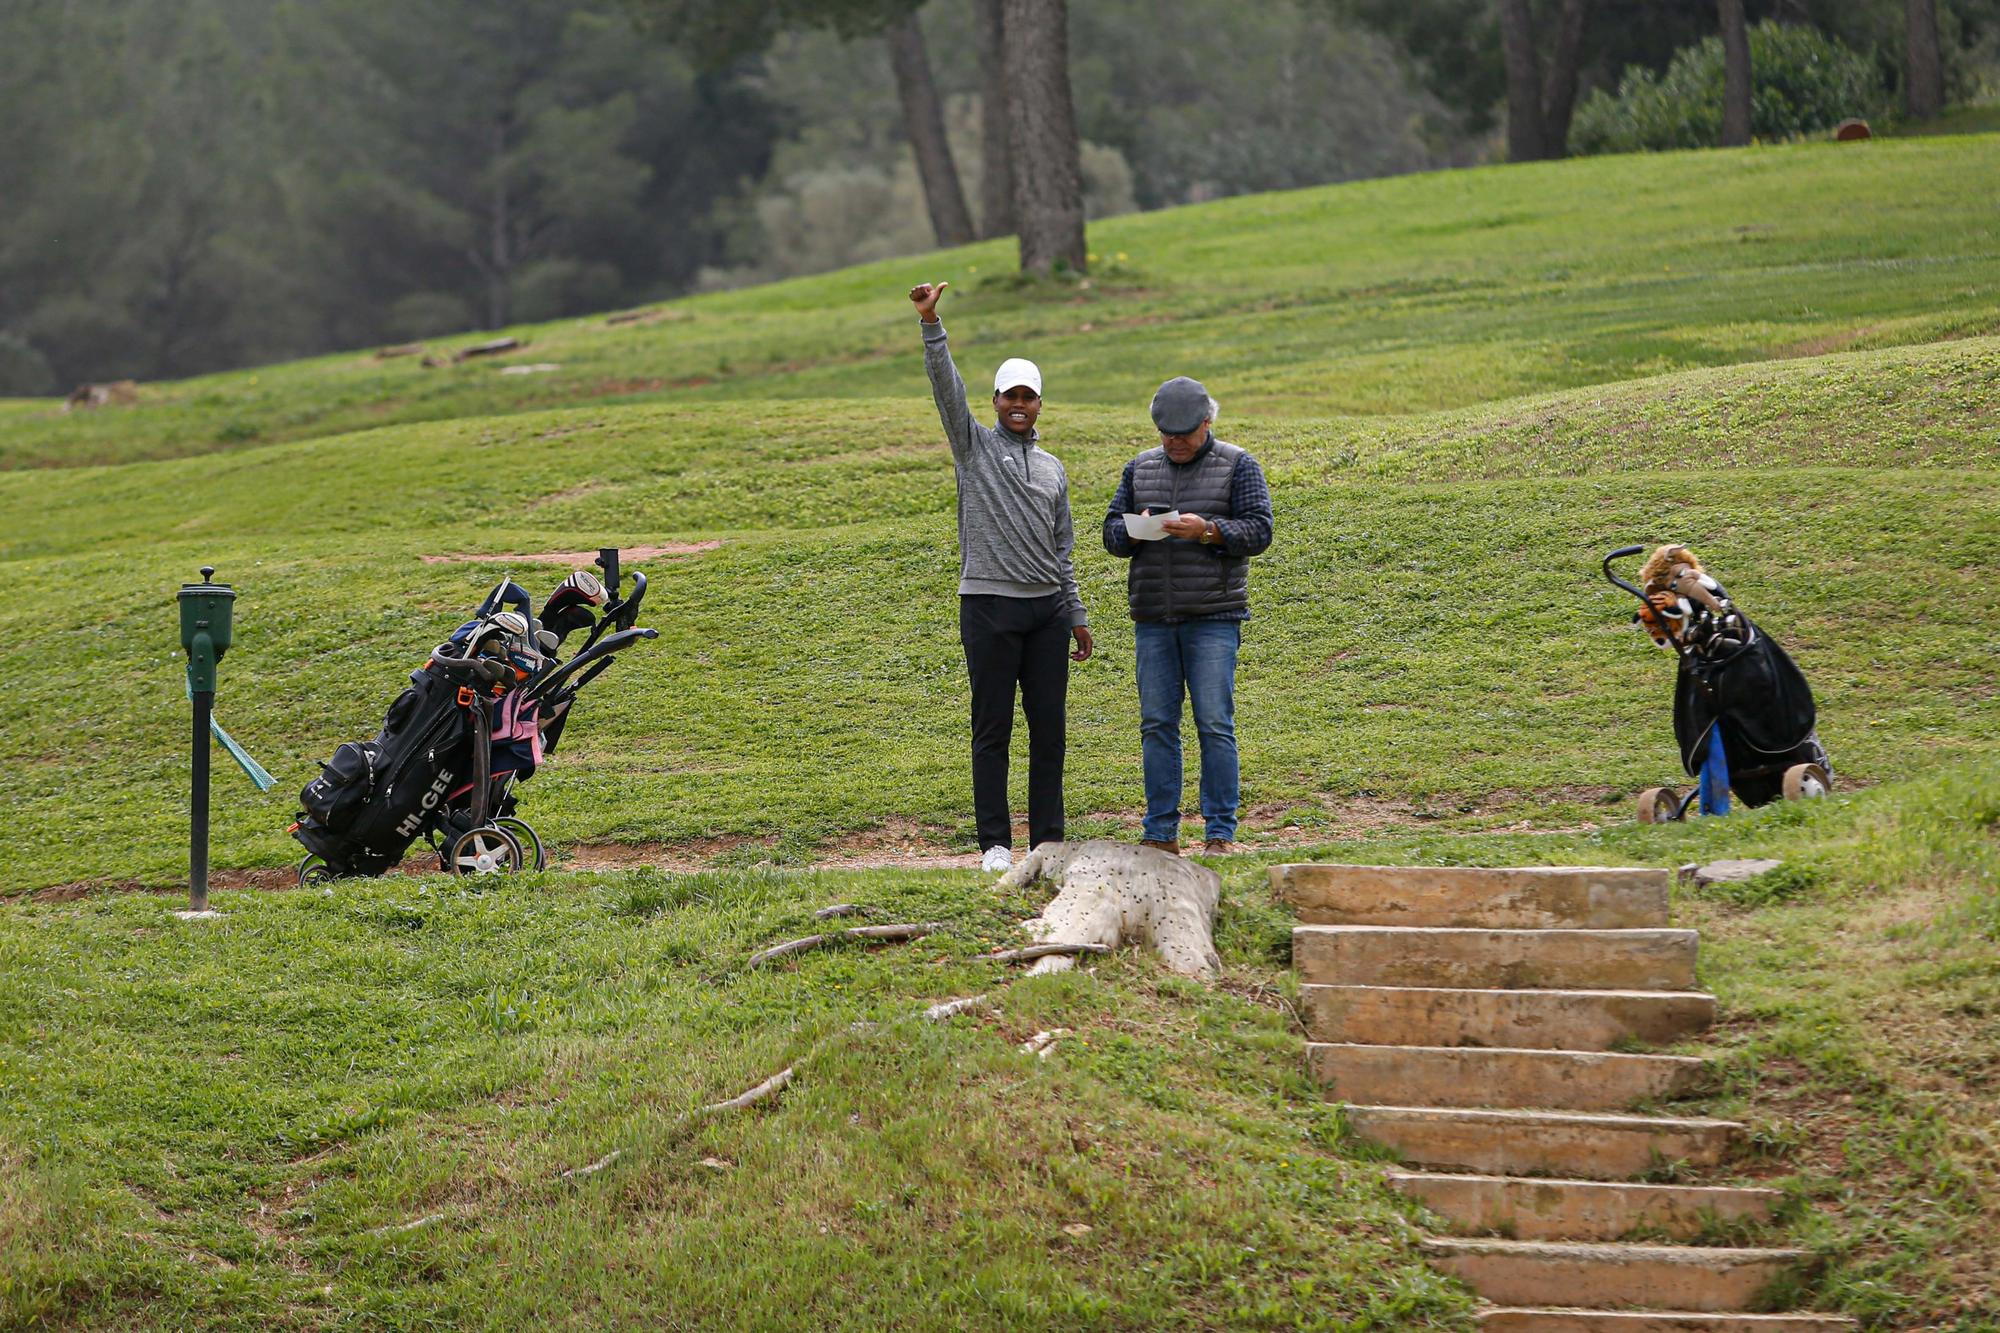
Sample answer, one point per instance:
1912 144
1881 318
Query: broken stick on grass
595 1166
839 909
1043 1042
1042 951
770 1087
395 1227
907 931
937 1013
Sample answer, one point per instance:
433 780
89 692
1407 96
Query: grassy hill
1464 387
1411 294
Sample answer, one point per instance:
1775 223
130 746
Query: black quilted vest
1177 579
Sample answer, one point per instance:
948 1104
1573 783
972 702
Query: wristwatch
1211 535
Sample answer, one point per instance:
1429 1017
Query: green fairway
1465 387
1430 626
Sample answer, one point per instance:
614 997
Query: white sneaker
997 859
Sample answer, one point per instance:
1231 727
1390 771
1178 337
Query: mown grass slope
1431 627
1463 387
356 1109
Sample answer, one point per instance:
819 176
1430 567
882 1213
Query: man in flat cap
1189 590
1018 604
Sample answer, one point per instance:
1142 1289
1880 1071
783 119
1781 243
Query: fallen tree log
1113 893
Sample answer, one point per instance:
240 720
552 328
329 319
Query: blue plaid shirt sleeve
1116 539
1248 531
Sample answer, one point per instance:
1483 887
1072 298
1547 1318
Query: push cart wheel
484 851
314 870
531 841
1660 805
1805 781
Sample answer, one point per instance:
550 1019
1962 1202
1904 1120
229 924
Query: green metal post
207 629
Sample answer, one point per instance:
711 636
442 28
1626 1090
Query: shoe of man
996 860
1171 847
1218 847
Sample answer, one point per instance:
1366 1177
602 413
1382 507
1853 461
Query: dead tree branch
1042 951
770 1087
875 934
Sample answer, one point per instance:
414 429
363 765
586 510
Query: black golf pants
1013 641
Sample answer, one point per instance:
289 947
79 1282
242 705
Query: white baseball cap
1017 370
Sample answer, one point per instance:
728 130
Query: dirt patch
908 844
1824 345
627 553
567 494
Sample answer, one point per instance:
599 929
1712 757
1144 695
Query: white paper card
1149 527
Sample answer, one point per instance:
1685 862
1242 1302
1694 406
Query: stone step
1545 1320
1651 960
1476 1076
1661 1277
1543 1209
1567 1020
1551 897
1545 1143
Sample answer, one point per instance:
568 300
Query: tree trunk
1735 74
1559 96
499 260
923 122
1047 159
1525 140
1923 66
996 162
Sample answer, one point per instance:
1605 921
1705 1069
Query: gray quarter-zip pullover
1014 526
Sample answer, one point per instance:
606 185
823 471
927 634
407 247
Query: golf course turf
355 1109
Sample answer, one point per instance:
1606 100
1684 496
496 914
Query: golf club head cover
569 606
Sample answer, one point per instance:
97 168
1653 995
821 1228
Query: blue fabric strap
1715 775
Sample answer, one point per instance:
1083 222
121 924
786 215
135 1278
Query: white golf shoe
996 860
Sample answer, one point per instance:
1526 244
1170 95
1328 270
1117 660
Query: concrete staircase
1474 1021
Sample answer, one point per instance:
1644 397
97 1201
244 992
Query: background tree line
223 182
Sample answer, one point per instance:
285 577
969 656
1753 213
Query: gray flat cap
1180 405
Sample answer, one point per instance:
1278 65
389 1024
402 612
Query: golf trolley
489 704
1744 719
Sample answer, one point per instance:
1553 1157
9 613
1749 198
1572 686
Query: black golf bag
376 797
1766 709
490 703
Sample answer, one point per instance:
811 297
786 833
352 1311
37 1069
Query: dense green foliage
1801 81
1454 45
228 182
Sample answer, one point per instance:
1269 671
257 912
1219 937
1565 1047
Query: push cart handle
1620 554
487 670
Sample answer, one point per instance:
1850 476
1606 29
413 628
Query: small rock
1077 1229
716 1163
1734 871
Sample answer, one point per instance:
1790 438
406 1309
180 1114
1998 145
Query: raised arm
946 386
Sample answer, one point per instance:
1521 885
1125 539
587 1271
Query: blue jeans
1196 660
